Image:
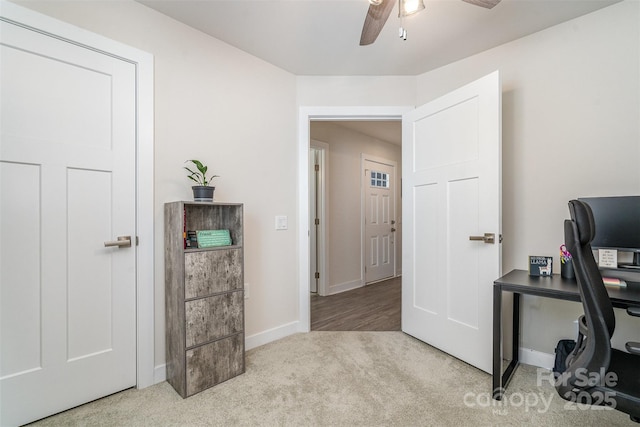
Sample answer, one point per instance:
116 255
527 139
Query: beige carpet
345 379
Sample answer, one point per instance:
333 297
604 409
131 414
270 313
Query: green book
212 238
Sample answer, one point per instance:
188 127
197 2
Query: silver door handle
122 242
487 238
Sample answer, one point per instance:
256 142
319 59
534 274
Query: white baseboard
346 286
536 358
160 373
270 335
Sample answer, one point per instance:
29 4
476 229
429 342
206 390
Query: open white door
451 156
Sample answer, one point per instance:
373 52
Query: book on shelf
184 226
192 239
213 238
612 281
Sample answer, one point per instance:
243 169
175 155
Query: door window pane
380 179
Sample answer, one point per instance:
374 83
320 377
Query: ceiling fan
379 11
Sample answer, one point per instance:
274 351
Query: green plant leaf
198 164
201 176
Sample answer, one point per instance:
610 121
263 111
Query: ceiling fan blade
483 3
374 21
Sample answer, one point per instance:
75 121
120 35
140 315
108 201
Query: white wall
344 265
356 91
236 113
571 109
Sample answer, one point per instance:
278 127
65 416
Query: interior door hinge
317 221
317 168
137 240
317 275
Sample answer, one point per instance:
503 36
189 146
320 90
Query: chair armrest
633 311
633 347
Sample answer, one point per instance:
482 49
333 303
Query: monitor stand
635 265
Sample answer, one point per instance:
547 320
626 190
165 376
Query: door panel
426 249
89 277
463 221
17 179
452 192
459 144
67 159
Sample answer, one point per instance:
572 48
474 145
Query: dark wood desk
519 283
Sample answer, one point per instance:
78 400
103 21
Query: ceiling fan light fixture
409 7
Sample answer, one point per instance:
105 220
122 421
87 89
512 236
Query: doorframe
305 115
364 157
143 62
322 250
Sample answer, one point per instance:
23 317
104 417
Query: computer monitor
617 225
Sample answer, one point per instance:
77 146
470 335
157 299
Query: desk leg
500 380
515 343
497 343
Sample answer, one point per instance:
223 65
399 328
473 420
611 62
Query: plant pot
203 193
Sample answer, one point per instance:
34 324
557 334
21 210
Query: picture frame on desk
540 265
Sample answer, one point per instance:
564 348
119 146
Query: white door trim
323 207
363 186
143 62
305 115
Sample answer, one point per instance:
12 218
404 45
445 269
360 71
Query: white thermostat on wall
282 222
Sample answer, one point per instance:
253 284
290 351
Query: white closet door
67 165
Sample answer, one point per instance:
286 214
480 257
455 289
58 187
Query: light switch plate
282 222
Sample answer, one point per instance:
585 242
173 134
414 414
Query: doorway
347 150
305 116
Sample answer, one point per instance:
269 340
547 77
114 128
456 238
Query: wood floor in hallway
374 307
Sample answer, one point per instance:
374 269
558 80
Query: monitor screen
617 222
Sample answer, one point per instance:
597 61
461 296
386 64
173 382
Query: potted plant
202 192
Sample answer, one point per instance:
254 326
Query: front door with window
379 219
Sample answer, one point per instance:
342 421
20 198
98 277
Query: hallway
374 307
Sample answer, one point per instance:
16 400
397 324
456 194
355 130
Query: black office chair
597 374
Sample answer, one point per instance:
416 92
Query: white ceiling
321 37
